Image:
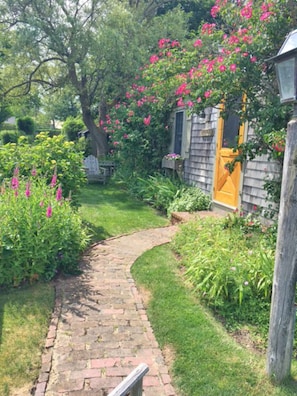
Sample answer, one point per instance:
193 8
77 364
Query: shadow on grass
112 193
96 233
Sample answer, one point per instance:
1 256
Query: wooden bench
131 385
95 172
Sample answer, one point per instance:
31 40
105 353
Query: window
181 134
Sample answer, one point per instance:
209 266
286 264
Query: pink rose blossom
180 102
182 90
147 120
222 68
163 42
198 43
214 11
247 11
154 59
175 43
265 15
207 94
233 67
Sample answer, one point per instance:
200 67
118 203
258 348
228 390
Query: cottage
206 143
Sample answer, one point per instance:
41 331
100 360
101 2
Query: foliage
226 60
95 56
197 10
60 105
139 131
39 232
158 190
168 194
26 125
71 127
223 262
46 155
189 199
9 136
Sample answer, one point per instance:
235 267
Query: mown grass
207 361
108 210
24 316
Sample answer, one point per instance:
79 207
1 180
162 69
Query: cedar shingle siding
199 166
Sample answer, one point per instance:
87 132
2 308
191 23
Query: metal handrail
132 383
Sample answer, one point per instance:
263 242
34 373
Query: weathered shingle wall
198 168
255 173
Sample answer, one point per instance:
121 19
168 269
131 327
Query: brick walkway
99 330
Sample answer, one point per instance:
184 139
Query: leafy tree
60 104
197 9
26 125
71 127
95 47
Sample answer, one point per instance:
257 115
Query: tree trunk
98 136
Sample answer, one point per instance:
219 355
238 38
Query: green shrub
39 232
169 194
226 265
158 190
26 125
71 127
9 136
189 199
46 155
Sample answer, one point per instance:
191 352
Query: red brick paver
99 331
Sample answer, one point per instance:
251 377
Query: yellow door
226 184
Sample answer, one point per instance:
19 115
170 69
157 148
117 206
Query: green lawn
108 210
24 317
207 361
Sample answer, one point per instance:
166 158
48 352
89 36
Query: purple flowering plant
173 157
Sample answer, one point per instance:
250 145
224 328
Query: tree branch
31 80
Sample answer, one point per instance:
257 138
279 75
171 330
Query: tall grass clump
229 263
40 234
169 194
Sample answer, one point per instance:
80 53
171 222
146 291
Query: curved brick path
99 330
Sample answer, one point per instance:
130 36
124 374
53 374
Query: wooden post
283 312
